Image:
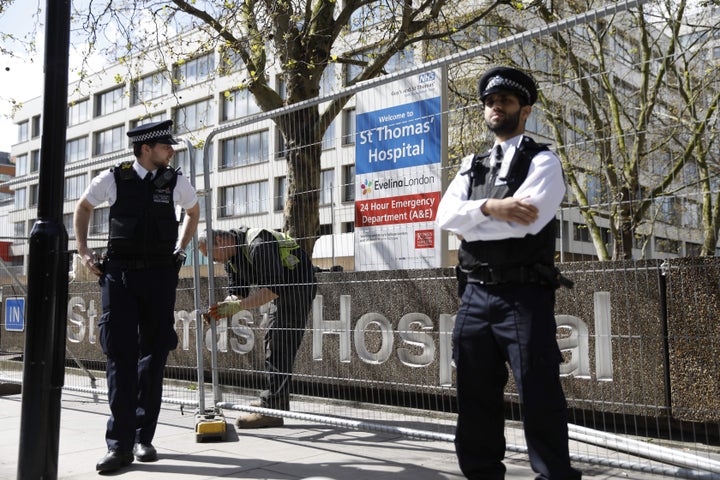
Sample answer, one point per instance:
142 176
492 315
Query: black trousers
282 342
136 333
515 325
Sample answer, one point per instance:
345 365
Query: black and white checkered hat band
506 83
143 137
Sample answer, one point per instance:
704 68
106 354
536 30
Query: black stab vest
510 252
142 219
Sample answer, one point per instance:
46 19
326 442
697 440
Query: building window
149 87
21 165
281 151
76 150
110 140
78 112
230 61
625 49
34 161
243 199
326 229
19 230
692 249
348 227
23 131
201 204
181 160
581 233
237 104
691 214
193 71
158 117
20 202
639 241
349 126
30 225
100 222
328 140
68 221
75 186
668 211
400 61
245 150
280 194
34 193
194 116
110 101
329 80
348 183
35 126
594 189
667 245
327 180
606 236
372 14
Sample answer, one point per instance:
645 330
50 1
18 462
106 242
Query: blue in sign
15 314
398 137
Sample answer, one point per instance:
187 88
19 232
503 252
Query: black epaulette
165 176
477 163
532 147
125 170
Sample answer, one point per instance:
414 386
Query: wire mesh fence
359 189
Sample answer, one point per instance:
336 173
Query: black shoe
113 460
144 452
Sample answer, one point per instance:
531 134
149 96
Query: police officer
502 206
283 273
138 279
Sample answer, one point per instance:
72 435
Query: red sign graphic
415 208
424 238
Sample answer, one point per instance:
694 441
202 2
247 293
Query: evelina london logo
366 187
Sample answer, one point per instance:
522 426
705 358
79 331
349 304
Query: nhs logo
426 77
15 314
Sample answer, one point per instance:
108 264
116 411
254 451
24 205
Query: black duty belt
141 264
498 276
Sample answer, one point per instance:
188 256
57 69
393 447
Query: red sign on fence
421 207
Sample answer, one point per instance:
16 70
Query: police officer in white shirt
502 206
138 280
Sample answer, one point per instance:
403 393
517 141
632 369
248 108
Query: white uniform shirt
103 188
544 187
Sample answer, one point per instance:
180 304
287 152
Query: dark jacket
259 264
143 224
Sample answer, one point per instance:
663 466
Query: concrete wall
391 331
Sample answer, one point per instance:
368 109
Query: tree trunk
302 215
624 228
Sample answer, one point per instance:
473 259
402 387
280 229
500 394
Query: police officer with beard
138 279
502 206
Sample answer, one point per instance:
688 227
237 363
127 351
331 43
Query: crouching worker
283 274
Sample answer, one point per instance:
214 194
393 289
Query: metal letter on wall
603 336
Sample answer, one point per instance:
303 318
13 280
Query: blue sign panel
398 137
15 314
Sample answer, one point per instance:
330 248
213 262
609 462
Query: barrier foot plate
210 425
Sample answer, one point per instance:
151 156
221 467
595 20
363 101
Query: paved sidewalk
299 450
